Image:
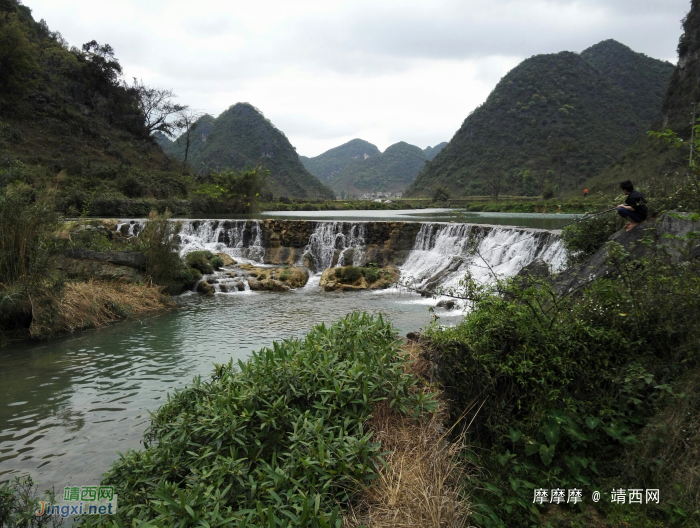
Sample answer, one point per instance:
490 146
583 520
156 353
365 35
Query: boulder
205 288
228 261
663 232
352 278
447 305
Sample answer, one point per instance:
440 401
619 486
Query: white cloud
326 71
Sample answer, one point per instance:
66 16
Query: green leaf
547 453
514 435
591 422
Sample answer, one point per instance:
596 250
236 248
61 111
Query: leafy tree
242 191
440 194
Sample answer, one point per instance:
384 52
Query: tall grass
28 222
27 243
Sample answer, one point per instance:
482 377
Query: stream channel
68 406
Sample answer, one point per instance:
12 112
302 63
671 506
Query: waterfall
441 254
241 239
444 253
336 244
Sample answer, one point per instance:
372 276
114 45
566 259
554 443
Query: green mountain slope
391 171
554 121
431 152
649 158
64 111
242 136
331 162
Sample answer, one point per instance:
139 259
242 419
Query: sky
328 71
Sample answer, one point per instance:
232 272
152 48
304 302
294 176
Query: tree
494 181
187 121
440 194
241 191
159 111
17 58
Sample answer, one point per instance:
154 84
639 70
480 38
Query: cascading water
444 253
241 239
336 244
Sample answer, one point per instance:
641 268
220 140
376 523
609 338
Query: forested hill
242 136
64 110
648 158
431 152
550 124
331 162
391 171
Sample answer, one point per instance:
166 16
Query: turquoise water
68 406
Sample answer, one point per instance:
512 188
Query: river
69 405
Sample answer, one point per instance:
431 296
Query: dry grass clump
93 304
419 486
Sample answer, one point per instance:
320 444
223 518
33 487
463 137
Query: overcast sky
327 71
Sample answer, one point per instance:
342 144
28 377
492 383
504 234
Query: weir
429 255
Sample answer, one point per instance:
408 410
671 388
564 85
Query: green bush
19 499
584 238
200 260
348 274
280 442
217 262
566 382
372 274
158 241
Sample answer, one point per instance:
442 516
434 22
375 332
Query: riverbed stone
331 282
205 288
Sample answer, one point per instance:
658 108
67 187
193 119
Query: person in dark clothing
634 208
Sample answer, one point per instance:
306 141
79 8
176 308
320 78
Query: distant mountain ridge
358 167
242 136
552 122
333 161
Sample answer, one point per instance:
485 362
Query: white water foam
336 244
444 253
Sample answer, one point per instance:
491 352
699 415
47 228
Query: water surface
68 406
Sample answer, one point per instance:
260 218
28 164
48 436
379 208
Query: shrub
19 499
159 243
281 442
585 237
348 274
566 383
440 194
200 260
217 262
372 274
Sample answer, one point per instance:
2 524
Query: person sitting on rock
634 208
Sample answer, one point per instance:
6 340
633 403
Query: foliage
17 60
351 274
281 442
158 241
242 137
19 499
27 245
440 194
562 116
217 262
241 191
160 113
201 261
556 387
583 238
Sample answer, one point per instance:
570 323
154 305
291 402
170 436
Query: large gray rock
663 232
130 259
